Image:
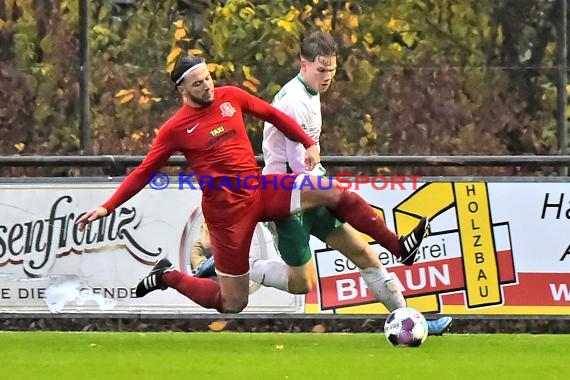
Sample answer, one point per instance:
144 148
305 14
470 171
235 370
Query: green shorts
294 233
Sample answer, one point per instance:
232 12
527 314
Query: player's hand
318 171
312 157
91 215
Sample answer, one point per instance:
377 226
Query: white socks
383 287
272 273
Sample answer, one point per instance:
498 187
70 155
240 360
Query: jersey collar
307 88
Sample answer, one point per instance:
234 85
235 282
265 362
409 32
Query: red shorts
232 216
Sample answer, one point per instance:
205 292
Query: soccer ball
406 327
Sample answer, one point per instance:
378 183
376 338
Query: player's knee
326 198
333 196
234 305
329 198
302 286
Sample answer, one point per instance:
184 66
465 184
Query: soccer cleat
439 326
410 243
153 280
206 269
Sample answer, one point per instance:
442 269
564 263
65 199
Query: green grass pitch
228 355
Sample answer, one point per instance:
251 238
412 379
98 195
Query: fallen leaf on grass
217 325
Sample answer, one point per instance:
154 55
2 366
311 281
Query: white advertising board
47 264
494 248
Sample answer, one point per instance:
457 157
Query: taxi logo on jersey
227 109
216 131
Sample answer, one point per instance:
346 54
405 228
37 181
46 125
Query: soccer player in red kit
210 131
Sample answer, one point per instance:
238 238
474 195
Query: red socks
204 291
354 210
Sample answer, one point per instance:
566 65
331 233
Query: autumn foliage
415 77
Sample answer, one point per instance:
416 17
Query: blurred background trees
415 77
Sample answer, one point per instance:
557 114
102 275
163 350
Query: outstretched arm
161 150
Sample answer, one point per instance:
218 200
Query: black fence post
562 94
84 125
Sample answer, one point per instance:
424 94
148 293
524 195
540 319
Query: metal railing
116 165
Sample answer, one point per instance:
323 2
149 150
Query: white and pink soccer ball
406 327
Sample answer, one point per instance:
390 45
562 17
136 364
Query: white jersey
303 105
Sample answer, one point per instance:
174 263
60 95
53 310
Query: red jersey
213 140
